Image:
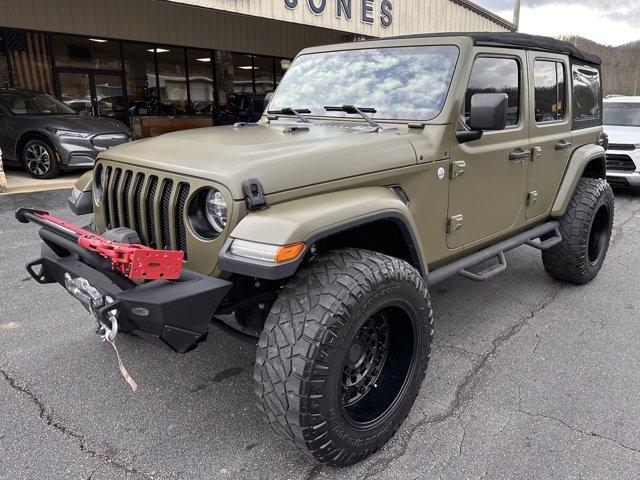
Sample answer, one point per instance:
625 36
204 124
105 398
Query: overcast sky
611 22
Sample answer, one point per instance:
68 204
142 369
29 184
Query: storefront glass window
234 74
79 52
263 68
30 60
140 71
5 81
201 86
172 80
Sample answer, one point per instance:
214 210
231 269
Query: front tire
586 230
40 160
343 354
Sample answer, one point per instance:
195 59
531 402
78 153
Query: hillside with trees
620 65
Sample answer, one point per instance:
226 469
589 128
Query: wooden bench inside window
153 126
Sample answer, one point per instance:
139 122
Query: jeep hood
279 159
623 134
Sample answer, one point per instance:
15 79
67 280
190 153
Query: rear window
587 96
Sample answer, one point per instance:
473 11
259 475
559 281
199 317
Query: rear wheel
586 230
343 354
39 159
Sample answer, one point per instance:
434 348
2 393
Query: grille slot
620 163
621 146
114 198
137 205
153 205
164 216
183 193
125 198
151 225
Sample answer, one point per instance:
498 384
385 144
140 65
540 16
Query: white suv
622 125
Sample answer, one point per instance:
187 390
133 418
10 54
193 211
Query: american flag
30 61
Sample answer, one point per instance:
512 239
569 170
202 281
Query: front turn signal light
289 252
266 252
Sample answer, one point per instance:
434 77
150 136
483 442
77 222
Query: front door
488 197
550 129
93 93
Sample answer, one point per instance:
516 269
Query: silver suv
622 125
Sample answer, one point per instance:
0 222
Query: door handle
562 145
519 154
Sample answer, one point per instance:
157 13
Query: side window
496 75
587 94
549 82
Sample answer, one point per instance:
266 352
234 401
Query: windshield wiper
293 111
360 111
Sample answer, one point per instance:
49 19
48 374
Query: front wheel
39 159
586 230
343 354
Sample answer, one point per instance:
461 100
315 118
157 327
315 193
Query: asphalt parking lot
528 379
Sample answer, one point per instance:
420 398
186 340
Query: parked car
380 169
622 125
47 136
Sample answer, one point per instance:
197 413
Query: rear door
488 197
550 129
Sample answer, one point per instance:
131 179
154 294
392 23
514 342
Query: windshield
34 103
400 83
618 113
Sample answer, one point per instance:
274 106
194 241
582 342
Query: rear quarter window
587 96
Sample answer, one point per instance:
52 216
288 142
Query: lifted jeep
379 169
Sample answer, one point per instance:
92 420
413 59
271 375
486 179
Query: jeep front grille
151 205
620 163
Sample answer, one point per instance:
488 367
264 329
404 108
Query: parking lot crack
577 429
45 412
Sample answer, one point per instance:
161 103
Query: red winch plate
155 264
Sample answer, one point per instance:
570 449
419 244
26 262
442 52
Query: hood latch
254 194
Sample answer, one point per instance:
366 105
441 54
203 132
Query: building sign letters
365 10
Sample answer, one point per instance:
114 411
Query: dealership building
163 65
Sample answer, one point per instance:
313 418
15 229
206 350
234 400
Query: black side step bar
462 266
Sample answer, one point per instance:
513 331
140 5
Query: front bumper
82 152
173 314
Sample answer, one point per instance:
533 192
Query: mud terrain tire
343 353
586 230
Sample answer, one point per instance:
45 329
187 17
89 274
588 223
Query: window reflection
79 52
496 75
263 69
549 90
172 81
201 86
399 82
586 93
140 71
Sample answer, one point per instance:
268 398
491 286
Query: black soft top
519 40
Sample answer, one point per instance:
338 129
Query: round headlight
216 209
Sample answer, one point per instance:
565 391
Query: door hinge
457 169
535 153
532 197
454 223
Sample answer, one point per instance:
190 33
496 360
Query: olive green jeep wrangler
377 170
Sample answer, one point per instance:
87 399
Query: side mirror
488 111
